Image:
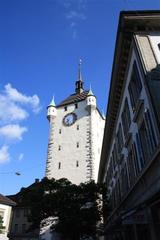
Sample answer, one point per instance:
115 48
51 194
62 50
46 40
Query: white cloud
4 154
73 24
10 111
20 157
14 107
74 34
12 131
75 15
15 96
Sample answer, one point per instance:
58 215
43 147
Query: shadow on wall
153 78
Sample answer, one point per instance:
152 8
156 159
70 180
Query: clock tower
75 136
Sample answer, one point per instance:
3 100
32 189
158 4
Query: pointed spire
79 82
90 93
52 103
79 70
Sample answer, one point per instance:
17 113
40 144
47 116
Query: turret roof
52 103
90 93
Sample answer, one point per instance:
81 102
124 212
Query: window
23 228
77 164
150 130
77 144
133 166
140 153
18 213
26 212
135 86
59 148
136 161
59 165
124 180
126 118
76 105
145 143
65 108
60 131
147 136
114 156
16 228
119 139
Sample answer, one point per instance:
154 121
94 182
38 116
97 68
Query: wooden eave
130 22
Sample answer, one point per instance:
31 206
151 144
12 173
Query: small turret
51 110
91 99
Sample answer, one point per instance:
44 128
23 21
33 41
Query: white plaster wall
6 219
155 40
69 153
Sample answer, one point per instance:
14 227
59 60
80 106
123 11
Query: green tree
76 206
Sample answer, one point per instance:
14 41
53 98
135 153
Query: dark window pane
126 118
135 86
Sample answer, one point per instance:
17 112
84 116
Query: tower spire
79 70
79 82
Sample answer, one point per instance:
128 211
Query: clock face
69 119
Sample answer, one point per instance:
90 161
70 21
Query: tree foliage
78 207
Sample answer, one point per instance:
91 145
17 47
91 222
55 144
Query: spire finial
79 82
79 70
90 87
90 93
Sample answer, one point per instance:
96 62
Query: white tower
75 136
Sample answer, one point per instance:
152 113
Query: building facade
75 136
21 223
130 160
6 213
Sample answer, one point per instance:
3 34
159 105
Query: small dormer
51 110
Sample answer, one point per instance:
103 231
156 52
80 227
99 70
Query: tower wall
71 149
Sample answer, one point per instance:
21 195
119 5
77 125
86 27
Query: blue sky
41 42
